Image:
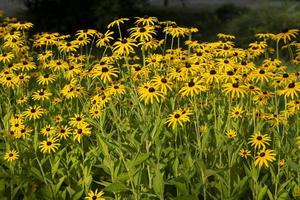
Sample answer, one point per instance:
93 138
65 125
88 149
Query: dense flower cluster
122 103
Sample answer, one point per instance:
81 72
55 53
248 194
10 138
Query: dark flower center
177 116
230 73
49 143
262 71
243 63
94 197
11 155
291 85
79 131
285 75
124 41
47 129
33 110
235 85
191 84
116 87
142 30
62 130
41 93
104 69
46 76
163 80
188 65
78 119
151 89
212 72
262 154
251 87
259 137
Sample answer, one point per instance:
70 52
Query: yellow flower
287 34
263 157
78 120
148 93
259 140
146 21
244 153
11 155
236 112
231 133
41 95
49 145
117 22
192 88
6 57
225 36
234 89
124 46
95 195
178 117
34 112
291 90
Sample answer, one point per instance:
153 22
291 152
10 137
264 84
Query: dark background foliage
241 19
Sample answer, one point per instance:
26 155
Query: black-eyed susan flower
244 153
234 90
142 33
49 145
236 112
180 117
6 57
41 95
225 36
231 133
104 39
148 93
291 90
81 131
11 155
104 72
146 21
34 112
22 25
117 22
48 130
259 140
193 88
163 83
124 46
63 132
22 100
95 195
264 157
116 89
287 35
78 120
45 79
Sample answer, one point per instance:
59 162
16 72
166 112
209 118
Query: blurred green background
242 18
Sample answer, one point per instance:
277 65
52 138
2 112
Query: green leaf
37 174
60 182
77 195
116 187
158 181
104 147
139 159
262 193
